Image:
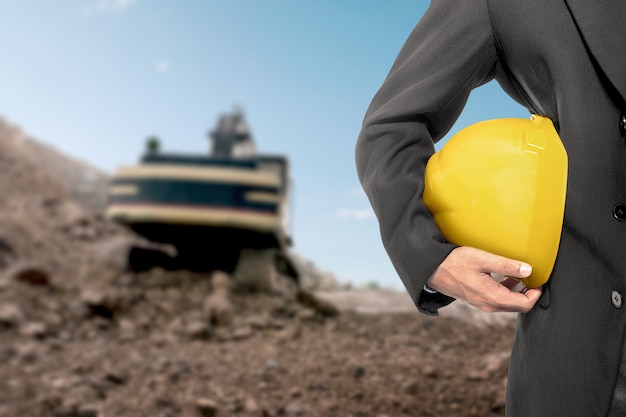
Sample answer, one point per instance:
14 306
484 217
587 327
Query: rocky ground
81 335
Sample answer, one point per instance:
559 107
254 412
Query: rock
498 403
311 277
53 319
497 364
198 329
206 407
271 364
29 352
291 332
411 388
83 230
221 281
357 372
430 371
322 307
218 309
259 322
191 327
5 282
306 315
29 273
128 329
176 326
295 393
7 254
98 301
477 375
116 376
250 405
294 408
93 297
490 366
34 329
256 270
69 213
242 332
114 252
10 315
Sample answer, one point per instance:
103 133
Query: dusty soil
157 354
81 335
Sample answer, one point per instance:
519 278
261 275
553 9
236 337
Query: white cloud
102 6
163 66
350 214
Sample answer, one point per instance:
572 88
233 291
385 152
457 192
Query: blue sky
95 78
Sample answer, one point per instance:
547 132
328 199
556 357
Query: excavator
228 210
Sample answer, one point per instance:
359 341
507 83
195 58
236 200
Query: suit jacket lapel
602 24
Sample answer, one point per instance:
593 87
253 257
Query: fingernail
525 270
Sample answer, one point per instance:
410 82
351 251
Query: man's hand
465 275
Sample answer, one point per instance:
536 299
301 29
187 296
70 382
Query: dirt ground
153 352
83 336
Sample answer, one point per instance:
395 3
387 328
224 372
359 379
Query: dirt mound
32 167
82 335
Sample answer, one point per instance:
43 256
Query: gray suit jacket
565 59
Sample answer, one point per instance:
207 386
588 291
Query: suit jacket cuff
430 302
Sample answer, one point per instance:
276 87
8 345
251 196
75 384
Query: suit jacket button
616 299
622 125
619 212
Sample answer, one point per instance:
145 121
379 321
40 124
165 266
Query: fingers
466 274
533 295
518 302
504 266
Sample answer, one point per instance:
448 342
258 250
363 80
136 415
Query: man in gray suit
563 59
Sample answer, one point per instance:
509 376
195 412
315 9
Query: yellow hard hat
499 185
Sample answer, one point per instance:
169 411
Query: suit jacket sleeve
450 52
